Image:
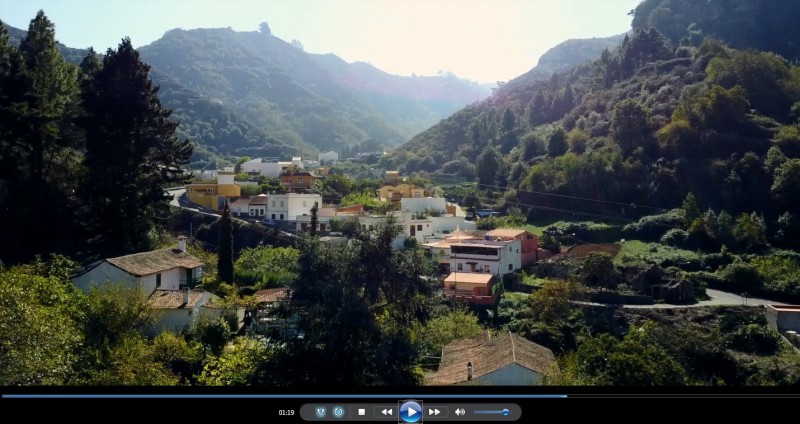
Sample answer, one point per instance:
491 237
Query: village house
165 275
297 181
498 257
324 216
472 288
271 169
258 206
213 195
287 207
529 244
394 193
241 207
504 359
439 248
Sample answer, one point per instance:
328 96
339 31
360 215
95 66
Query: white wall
293 205
508 255
102 274
510 375
451 223
300 204
176 320
419 204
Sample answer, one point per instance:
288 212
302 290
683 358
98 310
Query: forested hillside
313 102
644 124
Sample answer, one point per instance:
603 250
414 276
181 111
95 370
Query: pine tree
132 153
225 254
38 151
314 220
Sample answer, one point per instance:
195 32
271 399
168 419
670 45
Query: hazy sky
483 40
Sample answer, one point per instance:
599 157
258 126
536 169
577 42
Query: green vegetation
654 253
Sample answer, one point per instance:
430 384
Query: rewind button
385 411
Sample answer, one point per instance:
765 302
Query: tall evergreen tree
225 254
38 155
314 220
132 153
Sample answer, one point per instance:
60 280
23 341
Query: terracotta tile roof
329 212
488 354
259 200
242 201
271 295
506 232
147 263
469 277
173 299
465 235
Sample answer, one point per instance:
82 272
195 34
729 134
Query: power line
559 195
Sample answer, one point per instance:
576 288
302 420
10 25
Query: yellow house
210 195
395 193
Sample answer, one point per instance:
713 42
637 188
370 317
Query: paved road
176 195
718 298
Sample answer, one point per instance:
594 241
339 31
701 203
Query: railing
193 282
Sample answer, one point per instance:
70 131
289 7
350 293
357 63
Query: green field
635 250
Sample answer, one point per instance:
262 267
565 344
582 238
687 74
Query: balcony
189 283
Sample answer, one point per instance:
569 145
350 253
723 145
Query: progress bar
270 396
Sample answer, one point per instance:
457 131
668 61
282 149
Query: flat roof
786 308
469 277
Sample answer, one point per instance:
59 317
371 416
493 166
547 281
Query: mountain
314 102
565 56
645 123
72 55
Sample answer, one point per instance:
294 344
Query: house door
413 231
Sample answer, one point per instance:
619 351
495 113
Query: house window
261 212
486 269
419 227
510 267
273 216
300 180
158 280
281 216
209 191
459 267
273 204
281 205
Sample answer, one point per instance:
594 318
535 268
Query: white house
271 169
424 204
258 206
241 206
328 157
286 207
324 216
165 276
177 309
485 256
165 269
504 359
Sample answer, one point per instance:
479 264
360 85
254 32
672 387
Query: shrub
754 338
675 237
652 227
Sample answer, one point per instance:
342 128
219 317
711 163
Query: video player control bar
410 411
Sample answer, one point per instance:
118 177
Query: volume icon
460 411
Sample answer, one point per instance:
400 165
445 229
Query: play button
410 412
